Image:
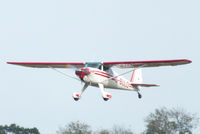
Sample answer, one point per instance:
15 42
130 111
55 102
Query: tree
14 129
102 131
116 129
75 128
120 130
174 121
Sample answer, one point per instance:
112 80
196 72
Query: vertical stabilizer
137 76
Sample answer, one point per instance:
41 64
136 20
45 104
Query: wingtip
188 61
9 62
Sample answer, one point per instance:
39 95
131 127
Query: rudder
136 76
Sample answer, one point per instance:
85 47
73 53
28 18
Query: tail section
137 76
136 79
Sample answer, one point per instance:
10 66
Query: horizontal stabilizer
144 85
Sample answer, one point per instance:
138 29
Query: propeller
82 72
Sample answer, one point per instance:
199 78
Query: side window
108 70
99 67
105 68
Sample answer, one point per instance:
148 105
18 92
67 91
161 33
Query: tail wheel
139 95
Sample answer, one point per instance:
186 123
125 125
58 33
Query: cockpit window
93 64
96 65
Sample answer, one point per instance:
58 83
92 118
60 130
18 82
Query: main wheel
76 96
76 99
105 99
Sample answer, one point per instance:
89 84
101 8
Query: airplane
101 74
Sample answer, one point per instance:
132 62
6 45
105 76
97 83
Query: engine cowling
82 72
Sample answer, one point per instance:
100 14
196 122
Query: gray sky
95 30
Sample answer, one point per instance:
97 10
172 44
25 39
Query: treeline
15 129
161 121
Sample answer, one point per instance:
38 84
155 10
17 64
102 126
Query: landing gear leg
77 96
106 96
83 89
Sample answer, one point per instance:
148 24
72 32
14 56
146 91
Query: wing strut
64 73
119 75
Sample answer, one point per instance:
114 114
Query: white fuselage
108 78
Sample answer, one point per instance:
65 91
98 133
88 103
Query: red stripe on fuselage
102 75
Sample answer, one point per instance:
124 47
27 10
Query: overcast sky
95 30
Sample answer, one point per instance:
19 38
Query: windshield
93 64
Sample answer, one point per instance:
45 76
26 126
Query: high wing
122 64
141 64
49 64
